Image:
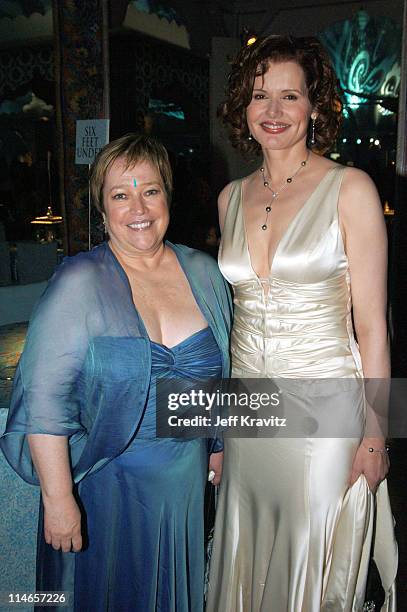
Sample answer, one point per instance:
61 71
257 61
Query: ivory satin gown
290 534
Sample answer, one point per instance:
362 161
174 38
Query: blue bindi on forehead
134 182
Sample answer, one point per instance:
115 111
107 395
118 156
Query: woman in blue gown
121 518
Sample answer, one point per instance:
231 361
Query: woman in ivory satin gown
303 243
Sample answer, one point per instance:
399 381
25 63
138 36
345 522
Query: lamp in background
247 37
49 220
387 210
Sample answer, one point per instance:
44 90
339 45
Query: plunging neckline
195 294
284 234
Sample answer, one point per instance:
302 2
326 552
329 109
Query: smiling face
136 209
280 110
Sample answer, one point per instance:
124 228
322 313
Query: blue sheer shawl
64 384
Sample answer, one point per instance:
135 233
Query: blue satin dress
144 510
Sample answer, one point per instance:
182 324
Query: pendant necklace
275 194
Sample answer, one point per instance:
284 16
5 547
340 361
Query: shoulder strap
234 201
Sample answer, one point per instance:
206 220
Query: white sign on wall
91 136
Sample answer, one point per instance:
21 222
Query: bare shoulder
320 163
358 195
224 195
360 210
357 183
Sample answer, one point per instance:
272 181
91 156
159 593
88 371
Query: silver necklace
275 194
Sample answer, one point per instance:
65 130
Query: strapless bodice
195 358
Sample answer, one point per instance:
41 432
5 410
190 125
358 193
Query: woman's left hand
215 464
374 465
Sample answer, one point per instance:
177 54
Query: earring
313 140
250 137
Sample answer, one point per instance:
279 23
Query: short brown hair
132 148
254 60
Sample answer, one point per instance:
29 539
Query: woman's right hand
62 523
62 517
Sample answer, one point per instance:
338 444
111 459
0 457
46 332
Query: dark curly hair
320 78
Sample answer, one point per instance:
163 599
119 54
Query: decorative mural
366 54
157 8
